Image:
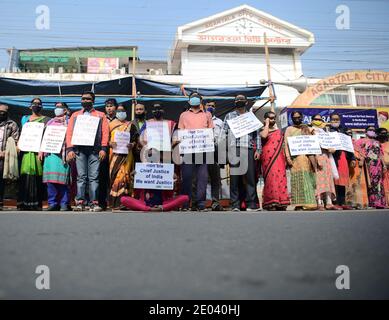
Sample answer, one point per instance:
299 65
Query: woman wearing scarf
56 172
275 192
120 165
382 137
356 195
325 188
374 159
31 190
301 168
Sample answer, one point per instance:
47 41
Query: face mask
297 121
121 115
140 116
371 134
157 114
240 104
36 108
335 125
195 101
87 105
3 116
211 110
59 112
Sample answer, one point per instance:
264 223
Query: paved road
194 256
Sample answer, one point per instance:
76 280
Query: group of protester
97 177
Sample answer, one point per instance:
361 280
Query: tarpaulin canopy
18 93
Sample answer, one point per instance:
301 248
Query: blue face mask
121 115
194 101
59 112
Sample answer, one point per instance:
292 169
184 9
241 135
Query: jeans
88 165
214 177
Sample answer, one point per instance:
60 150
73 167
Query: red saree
275 193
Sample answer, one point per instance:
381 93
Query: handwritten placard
305 144
196 141
336 140
158 176
158 135
122 139
244 124
53 138
85 130
31 137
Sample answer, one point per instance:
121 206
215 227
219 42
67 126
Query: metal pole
271 93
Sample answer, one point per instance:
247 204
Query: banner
336 140
305 144
53 138
244 124
122 139
352 118
102 65
31 137
158 135
158 176
85 129
196 141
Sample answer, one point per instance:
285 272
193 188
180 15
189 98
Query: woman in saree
375 167
273 162
301 168
382 137
121 164
325 187
31 187
356 194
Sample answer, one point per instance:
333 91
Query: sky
151 25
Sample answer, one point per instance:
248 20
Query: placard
158 135
336 140
159 176
31 137
304 145
196 141
244 124
85 129
53 138
122 139
347 142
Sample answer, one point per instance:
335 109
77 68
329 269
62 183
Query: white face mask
59 112
121 115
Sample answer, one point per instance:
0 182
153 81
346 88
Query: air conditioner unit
123 70
60 69
115 71
51 70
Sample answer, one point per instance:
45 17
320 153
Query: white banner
53 138
85 129
122 139
305 144
196 141
154 176
31 136
244 124
336 140
158 135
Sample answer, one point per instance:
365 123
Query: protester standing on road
88 158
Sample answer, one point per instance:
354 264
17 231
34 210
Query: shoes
218 208
334 207
253 209
79 207
202 210
347 207
52 208
235 210
65 208
94 207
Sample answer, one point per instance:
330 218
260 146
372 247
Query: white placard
196 141
336 140
31 136
329 140
304 144
85 129
122 139
347 142
244 124
158 135
53 138
154 176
